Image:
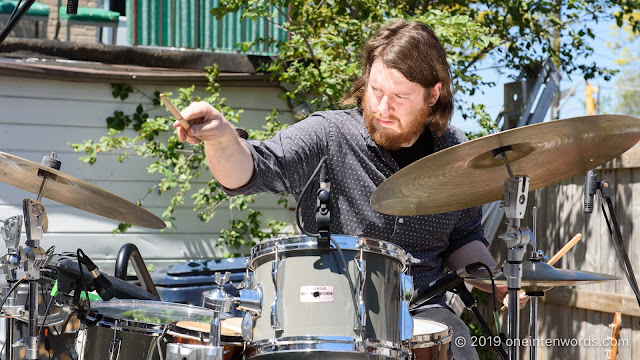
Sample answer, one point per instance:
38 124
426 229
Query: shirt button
401 220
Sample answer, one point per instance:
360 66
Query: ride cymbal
68 190
467 174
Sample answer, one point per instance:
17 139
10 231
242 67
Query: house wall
40 116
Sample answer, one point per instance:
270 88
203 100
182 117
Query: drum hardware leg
471 304
533 323
8 342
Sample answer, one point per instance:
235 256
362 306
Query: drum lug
248 323
361 323
277 274
114 349
406 293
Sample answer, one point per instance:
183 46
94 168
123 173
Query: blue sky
493 97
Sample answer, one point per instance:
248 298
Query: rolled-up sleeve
467 229
285 162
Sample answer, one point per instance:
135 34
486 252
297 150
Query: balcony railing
189 24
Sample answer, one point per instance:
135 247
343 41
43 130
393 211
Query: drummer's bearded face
395 109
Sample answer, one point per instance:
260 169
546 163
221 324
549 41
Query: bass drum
132 329
309 307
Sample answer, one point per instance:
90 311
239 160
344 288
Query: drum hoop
137 326
176 331
433 339
346 242
325 343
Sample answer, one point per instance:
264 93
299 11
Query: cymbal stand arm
516 191
605 193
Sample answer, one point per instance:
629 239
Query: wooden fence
573 322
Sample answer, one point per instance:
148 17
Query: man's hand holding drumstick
229 159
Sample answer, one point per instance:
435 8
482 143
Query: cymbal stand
10 263
516 192
35 258
536 256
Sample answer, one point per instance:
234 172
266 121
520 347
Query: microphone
323 209
445 283
590 188
102 284
72 7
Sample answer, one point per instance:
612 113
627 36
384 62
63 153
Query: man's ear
434 94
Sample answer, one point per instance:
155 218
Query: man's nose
384 106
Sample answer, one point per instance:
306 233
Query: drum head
148 314
427 333
300 244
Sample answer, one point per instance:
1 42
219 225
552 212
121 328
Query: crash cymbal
66 189
468 175
540 276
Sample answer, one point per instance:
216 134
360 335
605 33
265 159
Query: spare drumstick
174 111
564 250
560 253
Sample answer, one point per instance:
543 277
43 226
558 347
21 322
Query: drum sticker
315 294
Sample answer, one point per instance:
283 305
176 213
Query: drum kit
302 299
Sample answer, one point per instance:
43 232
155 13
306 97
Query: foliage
320 59
180 164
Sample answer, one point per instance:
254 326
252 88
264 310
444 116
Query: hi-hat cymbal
66 189
539 276
468 175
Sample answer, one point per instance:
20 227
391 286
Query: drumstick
174 111
564 250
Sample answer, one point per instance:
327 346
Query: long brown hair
413 49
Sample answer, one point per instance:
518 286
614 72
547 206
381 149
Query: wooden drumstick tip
564 250
174 111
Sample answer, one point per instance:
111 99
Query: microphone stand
471 304
15 19
603 188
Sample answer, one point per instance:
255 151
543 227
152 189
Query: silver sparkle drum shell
315 306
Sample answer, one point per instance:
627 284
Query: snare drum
308 304
431 340
131 329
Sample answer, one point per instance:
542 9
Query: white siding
39 116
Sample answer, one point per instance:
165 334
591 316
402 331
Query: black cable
493 292
618 244
46 313
13 288
304 190
15 9
64 326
